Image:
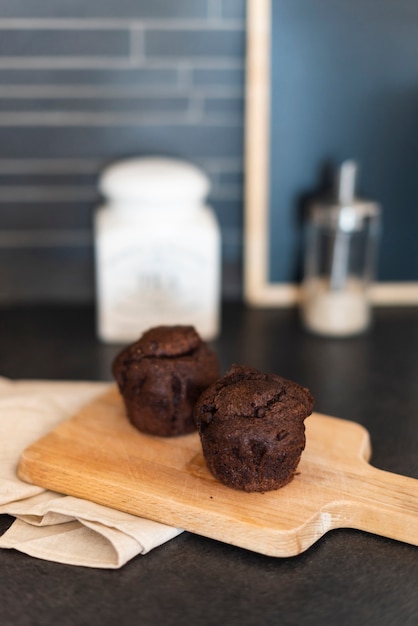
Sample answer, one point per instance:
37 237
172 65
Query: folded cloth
49 525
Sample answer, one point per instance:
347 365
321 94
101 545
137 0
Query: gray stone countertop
347 578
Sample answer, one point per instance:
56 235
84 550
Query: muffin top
169 341
165 342
244 392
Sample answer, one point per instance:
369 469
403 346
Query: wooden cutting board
99 456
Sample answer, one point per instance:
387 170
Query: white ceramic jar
157 250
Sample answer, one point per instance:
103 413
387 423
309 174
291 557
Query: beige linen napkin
49 525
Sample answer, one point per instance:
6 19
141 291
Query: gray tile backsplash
129 104
62 42
112 136
109 79
62 272
86 83
194 43
60 208
175 9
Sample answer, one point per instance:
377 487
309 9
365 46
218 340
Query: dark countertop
347 578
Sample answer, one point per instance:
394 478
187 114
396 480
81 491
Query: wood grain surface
99 456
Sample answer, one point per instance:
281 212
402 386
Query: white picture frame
258 290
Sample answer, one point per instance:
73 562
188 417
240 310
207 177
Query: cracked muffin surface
161 376
251 427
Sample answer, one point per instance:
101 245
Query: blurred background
86 83
83 84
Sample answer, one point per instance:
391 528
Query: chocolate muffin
161 376
251 426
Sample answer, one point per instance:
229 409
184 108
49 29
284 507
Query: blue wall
345 85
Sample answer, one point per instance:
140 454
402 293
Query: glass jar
341 241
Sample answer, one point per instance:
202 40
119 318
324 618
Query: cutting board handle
382 503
